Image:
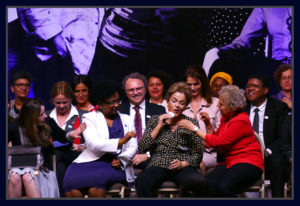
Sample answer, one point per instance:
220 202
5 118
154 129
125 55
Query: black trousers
189 181
275 167
227 182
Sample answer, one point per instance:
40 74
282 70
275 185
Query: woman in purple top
284 80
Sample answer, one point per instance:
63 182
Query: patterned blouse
182 144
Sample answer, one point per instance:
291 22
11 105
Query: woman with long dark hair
31 129
202 104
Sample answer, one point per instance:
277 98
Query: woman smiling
109 147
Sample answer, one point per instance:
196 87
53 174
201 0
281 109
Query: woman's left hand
77 132
288 102
116 163
186 124
177 165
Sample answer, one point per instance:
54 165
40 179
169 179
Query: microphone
168 119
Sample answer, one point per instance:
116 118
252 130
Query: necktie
76 125
138 123
256 121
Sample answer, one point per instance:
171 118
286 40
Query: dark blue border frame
3 89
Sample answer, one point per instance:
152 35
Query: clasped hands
177 164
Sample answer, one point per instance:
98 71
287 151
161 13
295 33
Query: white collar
73 112
262 107
142 105
162 103
203 104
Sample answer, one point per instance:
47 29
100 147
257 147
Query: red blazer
236 141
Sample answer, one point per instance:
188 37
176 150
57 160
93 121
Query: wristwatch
195 129
148 155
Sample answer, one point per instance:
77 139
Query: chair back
258 186
25 156
262 151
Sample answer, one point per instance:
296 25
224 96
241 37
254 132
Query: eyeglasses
256 86
22 85
139 89
286 78
111 103
83 91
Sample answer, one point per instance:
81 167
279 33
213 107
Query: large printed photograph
160 102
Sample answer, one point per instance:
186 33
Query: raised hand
288 102
205 117
126 138
186 124
77 132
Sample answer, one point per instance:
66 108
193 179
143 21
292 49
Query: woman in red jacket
242 163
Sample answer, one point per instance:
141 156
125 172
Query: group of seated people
198 133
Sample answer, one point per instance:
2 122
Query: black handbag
25 156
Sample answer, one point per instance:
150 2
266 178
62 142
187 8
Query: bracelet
195 129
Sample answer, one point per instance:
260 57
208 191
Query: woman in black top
31 129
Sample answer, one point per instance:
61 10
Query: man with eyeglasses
20 86
267 116
139 110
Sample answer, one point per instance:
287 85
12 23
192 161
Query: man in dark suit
267 116
139 110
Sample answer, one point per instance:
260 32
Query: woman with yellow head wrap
218 80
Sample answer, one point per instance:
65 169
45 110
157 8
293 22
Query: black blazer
275 115
151 109
286 146
69 126
57 134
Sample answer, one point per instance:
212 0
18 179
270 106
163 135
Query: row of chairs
169 189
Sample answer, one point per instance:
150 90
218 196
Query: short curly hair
234 97
164 77
180 87
22 74
278 73
104 90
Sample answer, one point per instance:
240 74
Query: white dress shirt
73 112
261 115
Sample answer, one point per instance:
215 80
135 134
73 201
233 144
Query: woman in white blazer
109 147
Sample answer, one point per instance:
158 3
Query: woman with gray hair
242 163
